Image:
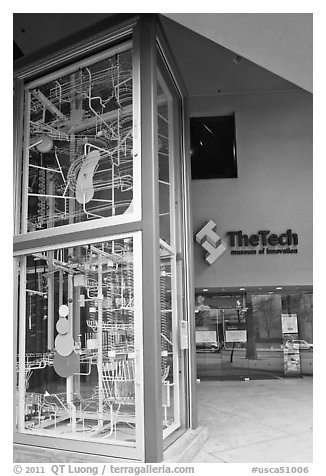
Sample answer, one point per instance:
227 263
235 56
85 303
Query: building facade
132 279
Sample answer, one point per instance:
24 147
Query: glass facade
170 274
78 144
244 335
79 367
84 221
104 319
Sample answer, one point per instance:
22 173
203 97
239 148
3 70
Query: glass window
256 335
78 144
213 147
170 278
77 366
301 304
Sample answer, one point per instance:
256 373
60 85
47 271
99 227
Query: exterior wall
279 42
273 190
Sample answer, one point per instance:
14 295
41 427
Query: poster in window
289 323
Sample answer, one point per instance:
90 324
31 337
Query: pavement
256 421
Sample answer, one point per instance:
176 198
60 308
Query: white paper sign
205 337
289 323
184 343
236 336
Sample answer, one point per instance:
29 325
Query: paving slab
261 421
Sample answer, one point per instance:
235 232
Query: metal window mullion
56 60
174 281
73 243
111 449
138 344
188 267
17 166
80 64
180 263
137 247
16 275
145 51
22 345
24 245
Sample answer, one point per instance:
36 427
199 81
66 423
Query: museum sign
262 242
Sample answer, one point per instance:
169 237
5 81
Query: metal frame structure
142 225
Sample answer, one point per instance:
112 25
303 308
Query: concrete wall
279 42
273 190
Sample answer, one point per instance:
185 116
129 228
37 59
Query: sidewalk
256 421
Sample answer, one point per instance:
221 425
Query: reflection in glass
240 337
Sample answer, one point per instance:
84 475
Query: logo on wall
211 242
261 243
